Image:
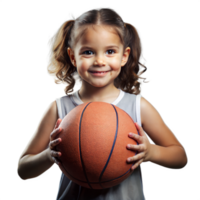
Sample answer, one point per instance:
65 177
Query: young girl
104 51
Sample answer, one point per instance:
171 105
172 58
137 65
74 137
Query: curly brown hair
61 66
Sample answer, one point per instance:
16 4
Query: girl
104 51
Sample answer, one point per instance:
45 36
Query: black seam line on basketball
80 146
112 146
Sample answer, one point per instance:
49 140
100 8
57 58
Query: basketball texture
93 147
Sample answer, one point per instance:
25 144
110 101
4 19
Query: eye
111 50
85 51
107 50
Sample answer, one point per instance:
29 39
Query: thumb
58 123
136 124
138 127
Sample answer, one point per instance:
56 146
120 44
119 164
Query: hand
53 142
143 149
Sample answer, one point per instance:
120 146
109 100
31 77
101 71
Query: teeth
99 72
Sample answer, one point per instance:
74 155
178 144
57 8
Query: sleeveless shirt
129 189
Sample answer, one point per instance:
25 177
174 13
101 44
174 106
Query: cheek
115 63
83 65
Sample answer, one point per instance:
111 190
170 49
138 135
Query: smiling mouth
99 72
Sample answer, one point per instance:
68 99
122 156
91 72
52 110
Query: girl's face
98 55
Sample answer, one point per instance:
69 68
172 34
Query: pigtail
59 66
130 77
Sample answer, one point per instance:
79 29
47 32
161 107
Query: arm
33 166
172 157
167 150
36 158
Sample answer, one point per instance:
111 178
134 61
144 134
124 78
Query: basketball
93 147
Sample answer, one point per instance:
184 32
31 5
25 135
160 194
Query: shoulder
148 112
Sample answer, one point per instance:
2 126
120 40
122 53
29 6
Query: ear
125 56
71 56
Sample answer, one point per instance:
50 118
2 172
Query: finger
139 147
57 123
134 166
55 132
137 157
137 164
136 137
55 155
138 127
55 142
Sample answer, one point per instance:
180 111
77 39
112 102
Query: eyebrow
107 47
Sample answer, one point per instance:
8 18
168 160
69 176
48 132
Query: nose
99 61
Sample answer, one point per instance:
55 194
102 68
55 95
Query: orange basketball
93 147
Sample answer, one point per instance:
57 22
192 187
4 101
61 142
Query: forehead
97 34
